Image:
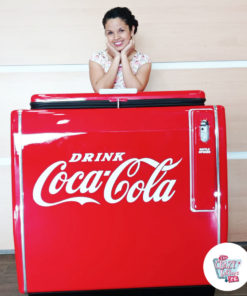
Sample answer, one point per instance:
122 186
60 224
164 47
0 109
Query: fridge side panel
223 172
17 206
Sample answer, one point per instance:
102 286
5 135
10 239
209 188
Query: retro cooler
117 191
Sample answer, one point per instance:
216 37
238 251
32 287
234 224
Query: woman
120 65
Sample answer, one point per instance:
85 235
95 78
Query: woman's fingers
128 49
111 50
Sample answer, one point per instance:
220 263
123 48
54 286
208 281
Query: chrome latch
204 131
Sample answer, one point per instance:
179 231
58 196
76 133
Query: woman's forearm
130 79
108 79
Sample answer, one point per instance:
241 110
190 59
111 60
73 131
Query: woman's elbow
96 89
141 88
97 85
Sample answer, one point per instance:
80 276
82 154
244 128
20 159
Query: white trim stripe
236 155
199 65
7 252
6 161
155 66
43 68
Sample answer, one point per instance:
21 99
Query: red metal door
117 198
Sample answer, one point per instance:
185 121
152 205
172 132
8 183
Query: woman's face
118 33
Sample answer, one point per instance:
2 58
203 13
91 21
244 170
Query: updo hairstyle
123 13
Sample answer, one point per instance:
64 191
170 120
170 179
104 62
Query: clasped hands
125 52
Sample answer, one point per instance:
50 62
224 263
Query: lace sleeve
100 57
144 59
95 57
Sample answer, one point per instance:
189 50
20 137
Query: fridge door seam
218 192
191 162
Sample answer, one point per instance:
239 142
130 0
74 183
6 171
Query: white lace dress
102 58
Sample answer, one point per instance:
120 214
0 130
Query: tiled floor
8 283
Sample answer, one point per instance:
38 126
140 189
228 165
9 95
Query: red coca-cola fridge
117 191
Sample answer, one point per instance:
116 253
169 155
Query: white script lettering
157 188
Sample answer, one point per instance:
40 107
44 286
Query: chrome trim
54 100
191 162
21 201
218 192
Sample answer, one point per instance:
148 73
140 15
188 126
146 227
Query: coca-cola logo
123 182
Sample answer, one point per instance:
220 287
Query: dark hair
124 13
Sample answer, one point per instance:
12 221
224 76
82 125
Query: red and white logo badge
225 266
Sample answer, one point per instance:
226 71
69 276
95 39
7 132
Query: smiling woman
120 65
